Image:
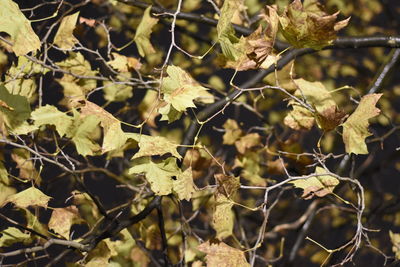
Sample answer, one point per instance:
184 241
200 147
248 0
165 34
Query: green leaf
154 145
319 186
19 28
50 115
143 32
29 197
118 92
13 235
64 38
309 26
220 254
158 174
80 133
169 113
114 137
355 128
180 89
184 186
15 108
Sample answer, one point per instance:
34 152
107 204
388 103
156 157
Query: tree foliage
199 133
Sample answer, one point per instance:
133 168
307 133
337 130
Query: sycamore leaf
221 255
143 32
29 197
184 186
395 239
80 132
114 137
309 26
78 65
118 92
17 110
319 186
62 219
247 141
169 113
19 28
64 38
232 132
154 145
225 31
124 64
180 89
50 115
317 96
13 235
223 217
158 174
6 191
227 185
355 128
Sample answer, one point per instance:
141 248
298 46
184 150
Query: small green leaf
355 128
64 38
50 115
13 235
158 174
143 32
319 186
29 197
15 108
19 28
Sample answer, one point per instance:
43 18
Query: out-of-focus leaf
15 108
299 118
355 128
50 115
118 92
159 175
19 28
232 132
222 255
13 235
227 185
183 186
114 137
124 64
319 186
27 170
62 219
309 26
248 141
80 132
77 64
153 145
29 197
143 32
180 89
64 38
169 113
395 239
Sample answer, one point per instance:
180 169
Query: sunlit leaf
355 128
64 38
19 28
124 64
184 186
222 255
13 235
158 174
143 32
50 115
180 89
29 197
154 145
319 186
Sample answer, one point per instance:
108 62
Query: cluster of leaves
115 152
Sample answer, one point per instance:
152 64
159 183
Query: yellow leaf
64 38
143 32
221 255
62 219
29 197
184 185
